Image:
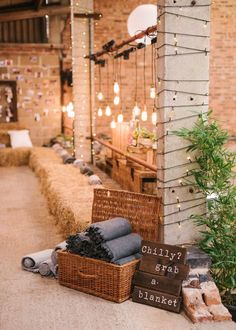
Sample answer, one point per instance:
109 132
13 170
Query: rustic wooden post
182 81
82 89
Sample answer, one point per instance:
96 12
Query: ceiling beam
24 14
38 4
17 7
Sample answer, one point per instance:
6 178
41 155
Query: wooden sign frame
159 283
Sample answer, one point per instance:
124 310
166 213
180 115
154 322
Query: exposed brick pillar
183 74
80 31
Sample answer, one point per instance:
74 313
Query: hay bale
69 197
40 158
67 191
14 157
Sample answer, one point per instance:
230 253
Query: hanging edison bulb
120 118
100 112
136 110
100 96
144 114
116 100
116 87
152 92
113 124
108 111
154 117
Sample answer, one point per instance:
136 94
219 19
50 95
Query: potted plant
145 137
214 178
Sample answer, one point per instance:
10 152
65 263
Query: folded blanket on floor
125 260
60 246
94 180
67 159
109 229
47 268
121 247
32 261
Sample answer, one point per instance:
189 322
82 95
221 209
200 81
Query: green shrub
214 178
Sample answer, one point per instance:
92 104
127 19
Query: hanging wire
144 72
120 83
152 65
136 76
99 77
107 81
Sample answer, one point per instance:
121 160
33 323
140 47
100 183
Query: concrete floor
30 302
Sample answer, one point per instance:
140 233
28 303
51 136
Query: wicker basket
141 210
100 278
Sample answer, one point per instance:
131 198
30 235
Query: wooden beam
24 14
132 158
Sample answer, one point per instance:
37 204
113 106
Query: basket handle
87 276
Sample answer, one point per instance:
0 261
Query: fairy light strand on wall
179 50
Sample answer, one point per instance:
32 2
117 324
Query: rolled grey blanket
62 152
85 169
32 261
121 247
125 260
79 163
47 268
68 159
94 180
60 246
109 229
56 146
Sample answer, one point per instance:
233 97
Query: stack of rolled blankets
44 262
111 240
63 153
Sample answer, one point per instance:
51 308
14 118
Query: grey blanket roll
79 163
121 247
85 169
109 230
60 246
128 259
47 268
32 261
68 159
94 180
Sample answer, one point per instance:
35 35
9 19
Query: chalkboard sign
158 280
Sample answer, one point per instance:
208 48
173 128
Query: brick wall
36 71
113 25
223 63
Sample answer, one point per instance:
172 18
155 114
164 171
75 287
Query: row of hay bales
67 191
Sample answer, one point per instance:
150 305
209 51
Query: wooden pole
139 35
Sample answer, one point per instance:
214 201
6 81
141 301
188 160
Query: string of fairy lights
182 183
